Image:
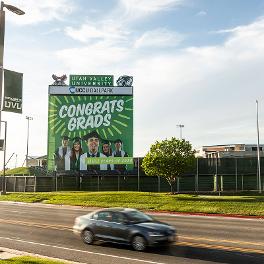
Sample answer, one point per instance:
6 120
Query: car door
119 228
102 226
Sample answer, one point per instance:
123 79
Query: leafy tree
169 159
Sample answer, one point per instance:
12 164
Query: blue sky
194 62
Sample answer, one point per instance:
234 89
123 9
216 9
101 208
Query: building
37 161
230 150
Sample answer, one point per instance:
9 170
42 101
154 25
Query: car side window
95 216
105 216
118 217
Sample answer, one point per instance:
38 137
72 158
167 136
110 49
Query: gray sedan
124 226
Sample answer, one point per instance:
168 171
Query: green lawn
242 205
17 171
31 260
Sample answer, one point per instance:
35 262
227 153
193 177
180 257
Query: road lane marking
227 248
222 240
41 225
202 239
82 251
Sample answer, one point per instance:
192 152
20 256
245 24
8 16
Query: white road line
82 251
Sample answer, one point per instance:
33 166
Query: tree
169 159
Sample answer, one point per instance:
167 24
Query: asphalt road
47 230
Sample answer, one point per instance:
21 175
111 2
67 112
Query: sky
195 62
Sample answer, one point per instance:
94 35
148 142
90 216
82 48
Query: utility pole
28 119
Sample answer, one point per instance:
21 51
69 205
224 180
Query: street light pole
2 43
28 118
180 126
259 176
4 163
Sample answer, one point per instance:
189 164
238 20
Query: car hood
157 226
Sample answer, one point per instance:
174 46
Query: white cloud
107 30
209 89
40 11
201 13
141 8
160 37
98 58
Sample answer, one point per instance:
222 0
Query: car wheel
139 243
88 236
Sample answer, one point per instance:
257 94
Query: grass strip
209 204
31 260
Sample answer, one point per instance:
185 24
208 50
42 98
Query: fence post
138 176
35 184
118 182
242 179
236 172
178 184
216 172
56 182
197 176
15 183
158 183
98 183
25 183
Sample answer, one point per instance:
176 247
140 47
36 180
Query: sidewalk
7 253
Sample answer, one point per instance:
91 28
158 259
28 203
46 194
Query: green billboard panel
91 80
81 127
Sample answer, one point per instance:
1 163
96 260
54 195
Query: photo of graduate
107 151
76 153
92 140
62 154
118 152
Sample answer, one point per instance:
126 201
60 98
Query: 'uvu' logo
72 89
13 105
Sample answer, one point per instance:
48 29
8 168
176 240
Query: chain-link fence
206 175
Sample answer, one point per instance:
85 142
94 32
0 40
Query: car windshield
138 217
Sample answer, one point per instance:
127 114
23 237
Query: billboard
83 125
13 91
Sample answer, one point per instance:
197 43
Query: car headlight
155 233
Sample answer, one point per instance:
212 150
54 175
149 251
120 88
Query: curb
208 215
79 207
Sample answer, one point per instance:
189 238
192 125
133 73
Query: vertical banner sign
13 82
88 123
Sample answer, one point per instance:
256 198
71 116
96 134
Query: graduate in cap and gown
76 153
118 152
107 151
92 140
62 154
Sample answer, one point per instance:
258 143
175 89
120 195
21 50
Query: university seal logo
59 80
125 81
